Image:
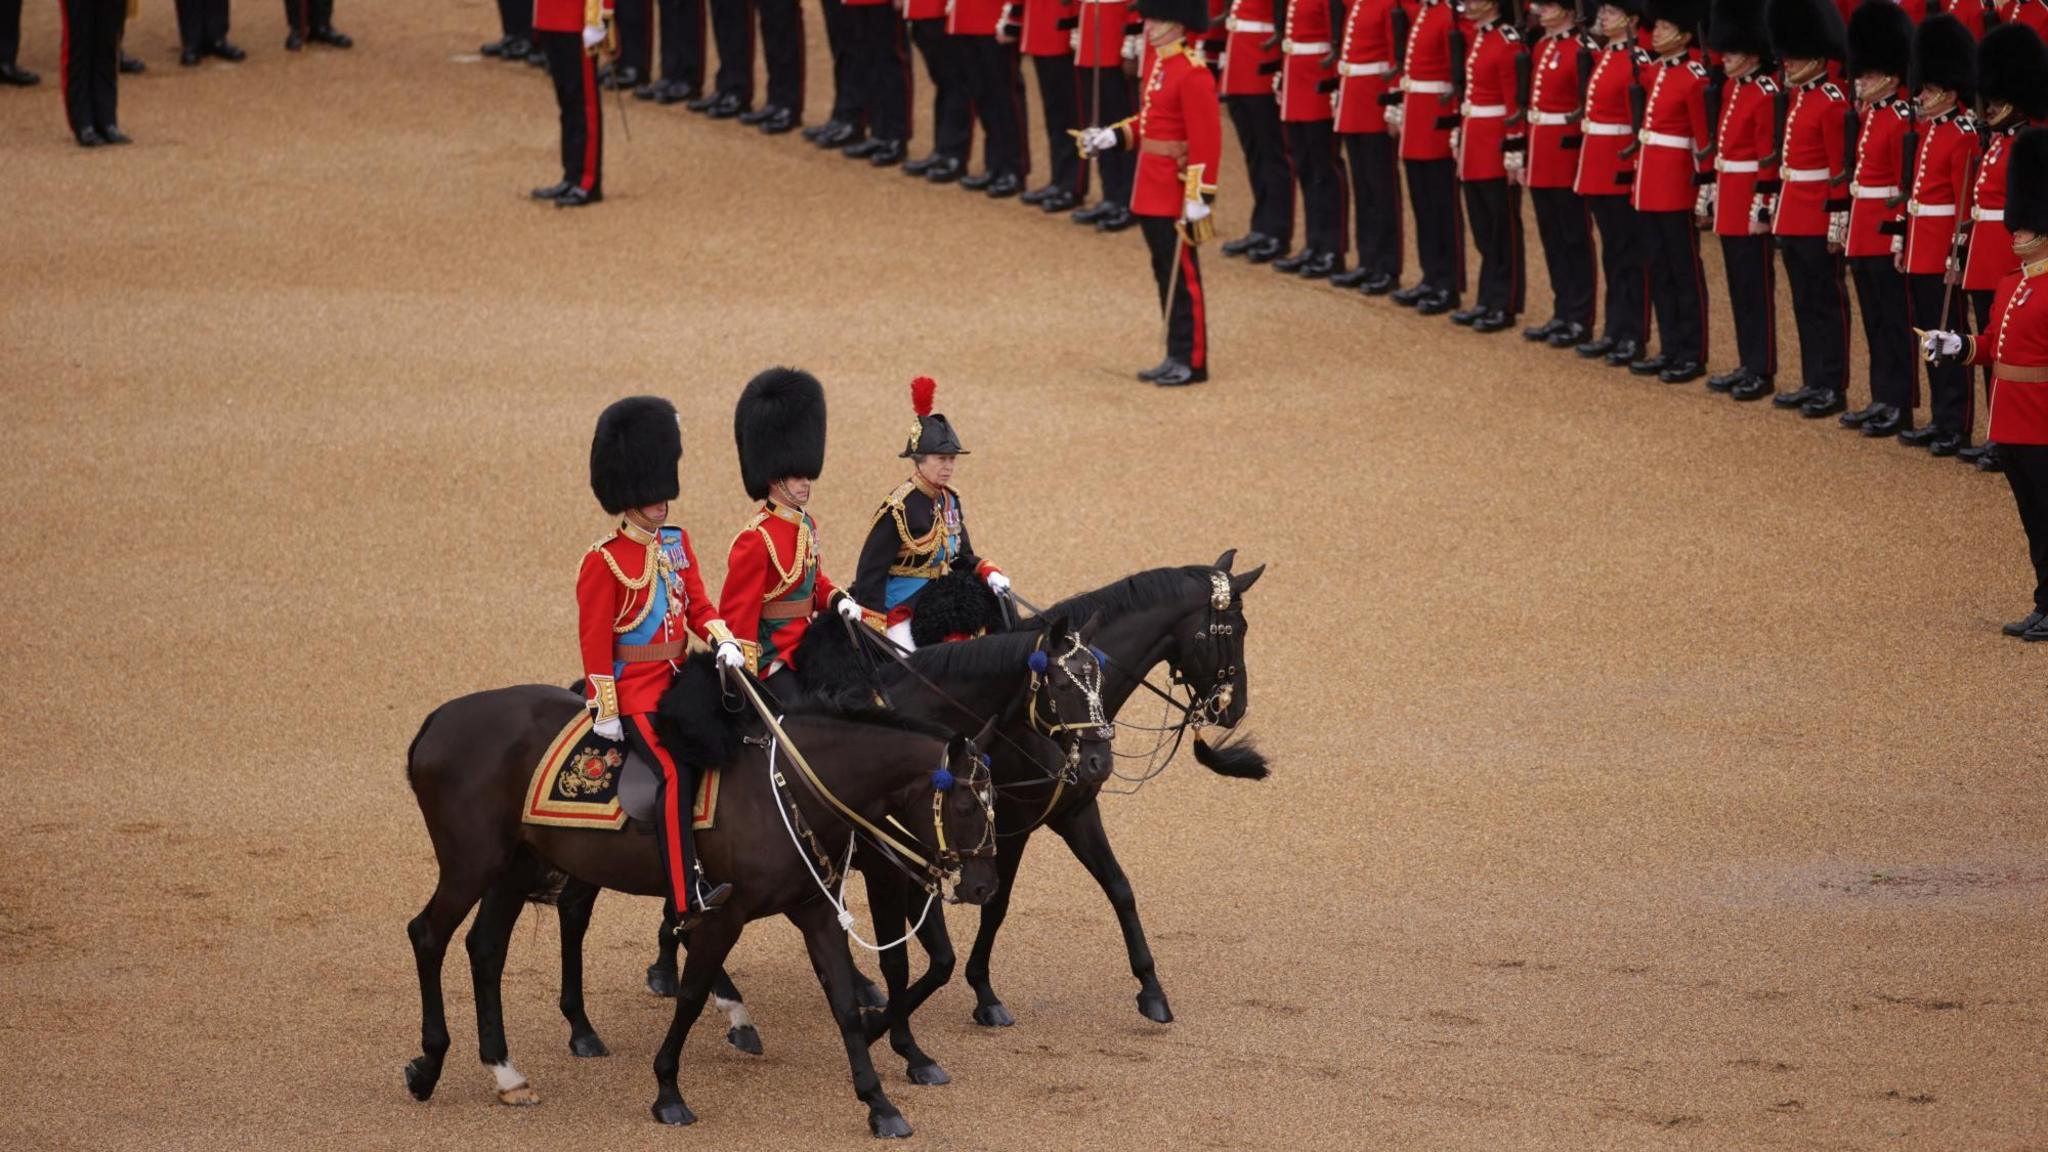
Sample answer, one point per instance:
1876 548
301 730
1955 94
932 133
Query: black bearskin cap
2026 182
779 427
1686 14
1810 30
1880 41
956 604
634 454
1192 15
1738 26
1944 54
2012 66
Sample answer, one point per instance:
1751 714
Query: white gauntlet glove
1760 210
1703 204
610 729
999 583
593 35
1838 229
1939 346
1394 117
848 610
1133 45
1096 141
729 656
1514 162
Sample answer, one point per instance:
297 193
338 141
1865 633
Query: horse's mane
1001 654
697 728
1133 593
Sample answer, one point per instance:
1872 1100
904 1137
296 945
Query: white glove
1514 162
1191 211
609 729
1760 211
999 583
1838 229
848 610
593 35
729 656
1703 205
1941 345
1133 45
1074 41
1095 141
1394 117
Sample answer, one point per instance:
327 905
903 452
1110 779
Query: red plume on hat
922 391
930 434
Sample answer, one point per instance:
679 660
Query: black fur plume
692 720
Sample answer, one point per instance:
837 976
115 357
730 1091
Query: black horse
469 767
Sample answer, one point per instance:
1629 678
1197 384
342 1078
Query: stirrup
708 901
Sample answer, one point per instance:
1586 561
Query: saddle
586 781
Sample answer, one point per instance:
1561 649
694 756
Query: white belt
1735 166
1867 192
1550 119
1801 175
1235 25
1314 48
1996 214
1667 140
1484 111
1916 208
1376 68
1596 128
1427 87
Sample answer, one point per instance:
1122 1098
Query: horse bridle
979 782
1088 679
1221 634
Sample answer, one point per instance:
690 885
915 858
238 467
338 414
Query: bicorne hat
932 434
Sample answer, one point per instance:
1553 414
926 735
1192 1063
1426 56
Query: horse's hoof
888 1127
745 1039
674 1113
1153 1005
930 1075
521 1097
588 1044
420 1078
661 981
993 1015
867 994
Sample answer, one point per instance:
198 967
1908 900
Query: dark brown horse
469 767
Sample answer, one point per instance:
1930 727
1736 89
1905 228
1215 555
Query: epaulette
599 546
893 503
1508 33
1767 86
1698 69
1966 122
1829 90
1903 107
1639 54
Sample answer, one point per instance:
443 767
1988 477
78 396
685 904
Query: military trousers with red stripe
672 813
303 16
1820 307
92 57
575 75
1677 285
1753 301
1174 266
1494 208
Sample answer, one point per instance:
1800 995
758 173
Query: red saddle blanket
577 783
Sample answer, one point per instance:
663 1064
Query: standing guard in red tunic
1677 147
1943 78
1737 206
1249 66
1308 77
1607 171
1178 135
1374 34
1492 127
639 599
1880 46
1564 59
1813 208
1432 84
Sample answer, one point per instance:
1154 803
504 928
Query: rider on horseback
918 535
773 582
639 598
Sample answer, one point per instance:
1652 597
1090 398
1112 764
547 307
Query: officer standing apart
92 62
571 34
1178 135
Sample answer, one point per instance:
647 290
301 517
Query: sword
619 93
1180 243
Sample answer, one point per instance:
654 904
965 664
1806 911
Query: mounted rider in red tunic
773 581
918 564
639 599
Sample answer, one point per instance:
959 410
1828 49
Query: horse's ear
987 733
1057 634
1243 584
1224 561
1089 628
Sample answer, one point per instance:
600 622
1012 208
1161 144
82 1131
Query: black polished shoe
1060 201
495 49
112 134
1539 333
1570 336
293 41
1093 212
1495 320
1888 422
2036 634
17 77
89 137
1859 417
1727 381
862 149
1947 444
1243 244
1152 373
2022 627
517 48
839 136
190 58
1271 249
1412 295
675 94
1989 461
1380 285
785 120
816 130
551 191
1005 186
702 103
648 92
1465 317
1920 437
129 66
889 155
978 181
1437 303
1117 220
226 51
1751 388
1595 349
757 115
1971 453
1036 196
621 76
917 167
537 59
327 34
1683 372
1324 266
947 170
726 107
1648 365
1826 402
1624 353
1178 375
576 197
1292 265
1352 279
1795 398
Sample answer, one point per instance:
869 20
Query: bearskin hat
1192 15
1686 14
634 454
1880 41
2012 67
1738 26
956 604
1589 10
2026 182
779 426
1808 30
1945 55
932 435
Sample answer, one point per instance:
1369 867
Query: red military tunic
1491 115
2032 13
2017 337
973 17
1103 26
1365 67
924 9
1941 190
1554 111
1810 173
1428 112
1745 151
1608 126
1178 131
1991 255
1305 81
1976 15
1248 65
567 15
1046 26
773 585
1878 210
1675 136
639 590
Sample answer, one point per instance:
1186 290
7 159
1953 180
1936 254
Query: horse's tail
1237 759
413 747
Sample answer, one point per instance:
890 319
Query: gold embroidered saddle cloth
586 781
